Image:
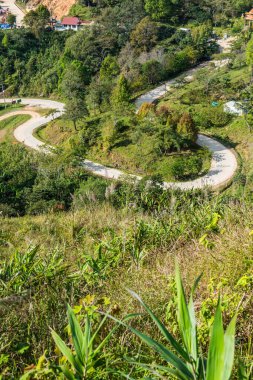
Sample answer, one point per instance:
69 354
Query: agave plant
184 359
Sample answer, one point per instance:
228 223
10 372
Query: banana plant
183 358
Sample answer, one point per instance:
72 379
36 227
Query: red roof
73 21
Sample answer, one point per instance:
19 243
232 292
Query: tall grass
181 359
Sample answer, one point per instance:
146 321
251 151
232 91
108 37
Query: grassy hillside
68 238
99 251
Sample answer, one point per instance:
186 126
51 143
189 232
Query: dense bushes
207 117
35 183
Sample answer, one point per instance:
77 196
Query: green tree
109 68
75 110
74 80
11 19
152 72
168 140
17 176
249 56
187 128
37 19
145 36
98 97
121 94
200 36
159 9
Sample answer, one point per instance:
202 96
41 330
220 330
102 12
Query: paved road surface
14 9
223 165
161 90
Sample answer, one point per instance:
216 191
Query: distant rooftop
75 21
72 21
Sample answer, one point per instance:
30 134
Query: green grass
56 132
8 126
9 108
132 158
95 244
139 160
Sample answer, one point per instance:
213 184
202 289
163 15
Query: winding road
223 163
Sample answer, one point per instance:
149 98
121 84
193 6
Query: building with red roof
74 23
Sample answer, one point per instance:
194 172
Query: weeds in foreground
85 357
185 361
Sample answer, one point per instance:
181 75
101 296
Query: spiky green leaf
194 343
77 335
215 360
229 340
162 328
166 354
184 320
66 352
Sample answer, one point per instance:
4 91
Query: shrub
186 168
208 117
153 72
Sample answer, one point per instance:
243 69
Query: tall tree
121 94
145 36
159 9
249 56
37 19
75 110
109 69
187 128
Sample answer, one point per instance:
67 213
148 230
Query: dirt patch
58 8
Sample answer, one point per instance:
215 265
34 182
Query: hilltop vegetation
67 237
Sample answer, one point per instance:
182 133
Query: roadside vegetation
7 126
88 288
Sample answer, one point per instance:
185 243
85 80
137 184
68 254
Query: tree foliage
37 19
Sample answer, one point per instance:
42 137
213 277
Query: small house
74 23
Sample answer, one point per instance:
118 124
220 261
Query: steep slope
58 8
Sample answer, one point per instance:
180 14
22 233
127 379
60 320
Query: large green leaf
77 335
215 360
166 354
184 320
154 368
194 344
229 340
87 346
66 352
162 328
